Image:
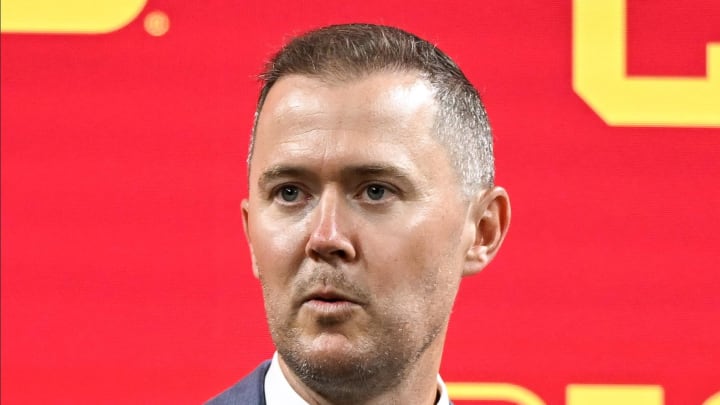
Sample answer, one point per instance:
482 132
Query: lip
329 294
330 304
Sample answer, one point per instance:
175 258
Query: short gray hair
349 51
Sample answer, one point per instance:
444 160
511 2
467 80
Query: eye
375 192
288 194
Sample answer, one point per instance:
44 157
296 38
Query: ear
245 213
490 213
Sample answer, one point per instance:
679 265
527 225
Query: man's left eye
375 192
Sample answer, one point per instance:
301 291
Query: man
370 196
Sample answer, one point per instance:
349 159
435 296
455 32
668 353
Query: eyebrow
376 170
274 173
280 172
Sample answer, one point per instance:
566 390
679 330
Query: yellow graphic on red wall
576 394
493 392
582 394
600 75
67 16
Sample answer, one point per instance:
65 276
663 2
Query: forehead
370 112
387 98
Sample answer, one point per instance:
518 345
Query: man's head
366 209
344 52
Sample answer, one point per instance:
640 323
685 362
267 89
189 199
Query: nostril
329 247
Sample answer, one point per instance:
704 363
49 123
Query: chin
334 359
334 352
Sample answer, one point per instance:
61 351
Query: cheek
276 244
418 260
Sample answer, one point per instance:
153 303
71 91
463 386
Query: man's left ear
490 214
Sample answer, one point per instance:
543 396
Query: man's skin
360 234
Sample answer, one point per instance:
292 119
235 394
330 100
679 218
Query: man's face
357 224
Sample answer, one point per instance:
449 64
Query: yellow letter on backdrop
67 16
713 400
493 392
581 394
600 75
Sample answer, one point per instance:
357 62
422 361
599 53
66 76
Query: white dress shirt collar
277 388
279 392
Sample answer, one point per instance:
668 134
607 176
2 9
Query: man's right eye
288 194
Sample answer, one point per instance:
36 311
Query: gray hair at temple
344 52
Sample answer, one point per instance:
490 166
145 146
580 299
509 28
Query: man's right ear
245 214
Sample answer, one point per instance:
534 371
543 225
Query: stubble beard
371 365
370 368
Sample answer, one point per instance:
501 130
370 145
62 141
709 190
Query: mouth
330 304
329 295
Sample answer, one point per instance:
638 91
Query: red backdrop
125 273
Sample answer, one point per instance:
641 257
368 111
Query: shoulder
249 390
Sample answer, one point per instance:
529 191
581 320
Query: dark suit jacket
248 391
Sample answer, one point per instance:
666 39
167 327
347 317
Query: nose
330 236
